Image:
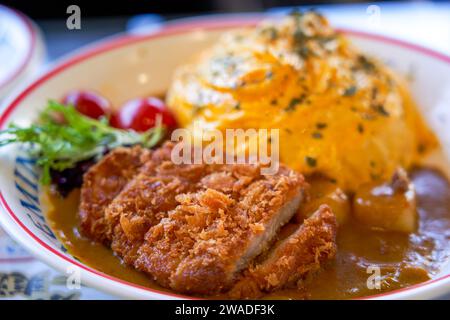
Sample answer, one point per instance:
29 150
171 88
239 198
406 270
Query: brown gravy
403 259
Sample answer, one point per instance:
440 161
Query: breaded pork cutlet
193 228
147 199
102 183
159 198
292 259
211 235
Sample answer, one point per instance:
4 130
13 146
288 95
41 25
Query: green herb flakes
317 135
350 91
310 161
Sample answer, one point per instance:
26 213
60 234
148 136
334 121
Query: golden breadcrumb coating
197 228
293 258
102 183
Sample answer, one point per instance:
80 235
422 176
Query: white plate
131 66
21 49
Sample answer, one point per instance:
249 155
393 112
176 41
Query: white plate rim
123 288
32 48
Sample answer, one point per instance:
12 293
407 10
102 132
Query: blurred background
35 33
426 22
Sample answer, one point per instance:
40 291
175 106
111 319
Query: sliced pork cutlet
102 183
147 199
151 195
291 259
212 234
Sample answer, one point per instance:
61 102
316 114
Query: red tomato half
89 103
141 114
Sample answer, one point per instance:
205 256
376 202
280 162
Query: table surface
23 277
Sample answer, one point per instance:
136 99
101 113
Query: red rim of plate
222 23
32 32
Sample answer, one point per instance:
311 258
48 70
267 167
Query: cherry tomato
140 115
89 103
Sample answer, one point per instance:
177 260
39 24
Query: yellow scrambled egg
340 113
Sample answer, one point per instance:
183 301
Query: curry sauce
403 259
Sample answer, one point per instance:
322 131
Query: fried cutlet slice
193 228
212 234
147 199
102 183
151 195
293 258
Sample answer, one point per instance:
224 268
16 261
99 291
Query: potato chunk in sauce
388 206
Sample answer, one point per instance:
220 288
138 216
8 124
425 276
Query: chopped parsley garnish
366 64
379 108
421 148
350 91
360 128
301 39
293 104
310 161
303 52
317 135
299 36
